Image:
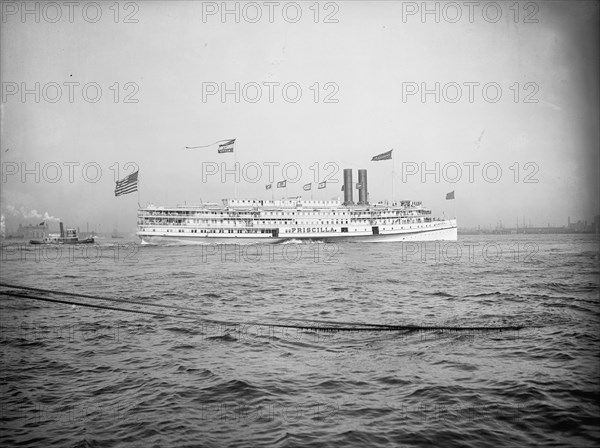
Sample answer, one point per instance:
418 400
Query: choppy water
77 376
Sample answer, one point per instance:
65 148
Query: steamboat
253 220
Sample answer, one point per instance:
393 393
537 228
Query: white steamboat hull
441 231
448 233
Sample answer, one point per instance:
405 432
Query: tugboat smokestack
348 187
363 194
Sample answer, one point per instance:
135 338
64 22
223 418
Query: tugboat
68 236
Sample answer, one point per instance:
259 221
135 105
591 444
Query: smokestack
62 230
348 187
363 197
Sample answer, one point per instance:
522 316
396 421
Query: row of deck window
269 222
209 230
290 213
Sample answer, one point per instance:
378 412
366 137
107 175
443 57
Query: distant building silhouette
31 232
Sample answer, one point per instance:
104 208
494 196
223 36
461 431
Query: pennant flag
281 184
268 187
382 156
359 186
322 185
226 147
223 146
450 195
307 187
127 185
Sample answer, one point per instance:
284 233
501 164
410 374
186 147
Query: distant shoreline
526 231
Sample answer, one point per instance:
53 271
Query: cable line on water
301 324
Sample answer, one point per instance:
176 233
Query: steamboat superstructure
257 220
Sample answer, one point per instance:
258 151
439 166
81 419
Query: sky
499 103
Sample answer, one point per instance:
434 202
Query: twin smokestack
363 194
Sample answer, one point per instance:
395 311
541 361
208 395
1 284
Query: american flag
127 185
322 185
281 184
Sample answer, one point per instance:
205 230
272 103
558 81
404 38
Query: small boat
68 236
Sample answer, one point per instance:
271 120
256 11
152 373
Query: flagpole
454 205
235 174
393 169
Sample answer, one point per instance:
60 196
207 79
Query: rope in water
307 325
175 307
